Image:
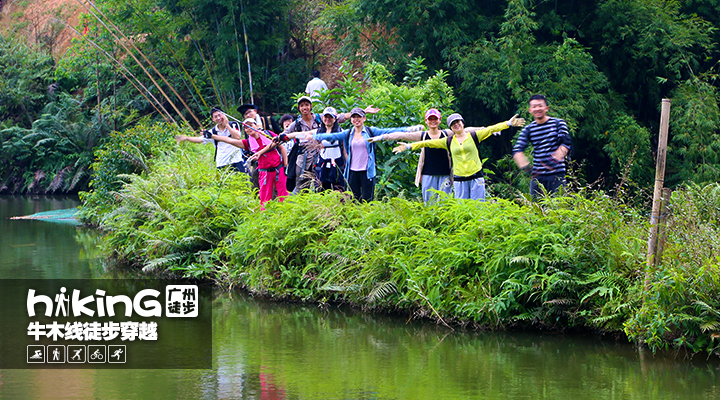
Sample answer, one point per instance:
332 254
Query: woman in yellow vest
468 180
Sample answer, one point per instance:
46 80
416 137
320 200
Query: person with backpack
468 178
303 154
226 155
271 158
551 144
330 161
433 170
360 168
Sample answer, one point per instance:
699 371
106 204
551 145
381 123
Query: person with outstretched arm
303 153
434 169
551 144
272 160
226 155
463 145
360 169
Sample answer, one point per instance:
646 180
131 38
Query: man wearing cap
468 179
225 154
304 152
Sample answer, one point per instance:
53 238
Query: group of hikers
314 151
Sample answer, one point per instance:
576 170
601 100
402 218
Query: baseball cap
330 111
357 111
304 98
432 113
454 117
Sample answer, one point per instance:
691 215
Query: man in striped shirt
551 143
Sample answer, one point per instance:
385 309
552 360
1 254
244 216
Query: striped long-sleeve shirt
545 139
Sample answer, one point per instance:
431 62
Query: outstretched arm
235 142
483 133
265 150
433 143
185 138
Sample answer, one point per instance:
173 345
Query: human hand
416 128
180 138
374 139
516 121
401 147
371 110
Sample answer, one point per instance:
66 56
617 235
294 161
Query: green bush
124 153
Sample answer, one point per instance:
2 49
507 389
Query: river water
265 350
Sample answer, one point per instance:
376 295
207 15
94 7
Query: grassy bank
565 263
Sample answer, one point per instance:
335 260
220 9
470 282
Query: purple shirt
358 155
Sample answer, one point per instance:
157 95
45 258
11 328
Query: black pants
552 184
361 187
238 166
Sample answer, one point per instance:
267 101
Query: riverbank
576 262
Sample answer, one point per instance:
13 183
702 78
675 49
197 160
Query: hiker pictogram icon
56 354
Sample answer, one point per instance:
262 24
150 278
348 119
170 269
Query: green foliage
125 153
25 77
400 105
55 154
576 261
694 150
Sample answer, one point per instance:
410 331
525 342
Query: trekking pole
260 131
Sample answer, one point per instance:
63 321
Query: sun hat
245 107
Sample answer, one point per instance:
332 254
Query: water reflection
264 350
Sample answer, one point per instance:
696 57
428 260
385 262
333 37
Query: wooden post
657 193
662 227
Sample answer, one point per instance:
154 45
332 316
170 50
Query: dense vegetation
563 263
605 65
575 261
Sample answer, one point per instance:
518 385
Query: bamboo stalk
117 40
132 43
657 193
662 228
125 72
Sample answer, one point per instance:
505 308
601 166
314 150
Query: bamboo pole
132 43
662 228
131 54
657 192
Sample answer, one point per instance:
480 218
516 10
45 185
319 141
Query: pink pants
270 179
